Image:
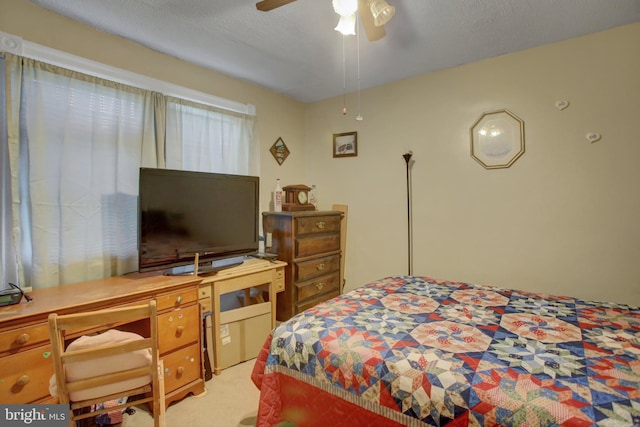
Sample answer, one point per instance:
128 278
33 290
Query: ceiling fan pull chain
344 80
359 116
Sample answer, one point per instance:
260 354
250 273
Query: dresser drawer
24 377
302 306
181 367
320 285
316 267
177 299
314 245
14 340
178 328
318 224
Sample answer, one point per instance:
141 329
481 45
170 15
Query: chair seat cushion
80 370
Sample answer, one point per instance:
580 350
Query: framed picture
497 139
345 144
279 151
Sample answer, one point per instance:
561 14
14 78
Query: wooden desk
25 366
264 275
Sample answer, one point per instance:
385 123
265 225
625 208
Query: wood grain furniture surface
25 349
309 242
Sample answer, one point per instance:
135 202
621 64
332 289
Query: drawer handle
179 299
320 225
179 330
180 371
319 285
22 339
23 380
320 266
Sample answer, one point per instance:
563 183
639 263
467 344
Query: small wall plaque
279 151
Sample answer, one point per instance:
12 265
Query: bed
413 351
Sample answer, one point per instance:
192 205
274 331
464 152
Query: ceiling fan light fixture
347 25
382 12
345 7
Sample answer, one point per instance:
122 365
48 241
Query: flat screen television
182 213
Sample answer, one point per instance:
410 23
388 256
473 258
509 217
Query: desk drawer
243 282
205 305
178 328
181 367
24 377
204 298
316 267
177 299
204 291
14 340
278 280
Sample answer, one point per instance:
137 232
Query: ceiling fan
373 14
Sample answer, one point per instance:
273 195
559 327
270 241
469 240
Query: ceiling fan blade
267 5
373 33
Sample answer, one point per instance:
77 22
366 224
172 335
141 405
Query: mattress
410 350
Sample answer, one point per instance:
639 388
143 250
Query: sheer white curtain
208 139
8 260
75 145
80 143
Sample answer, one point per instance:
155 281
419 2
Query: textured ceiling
295 51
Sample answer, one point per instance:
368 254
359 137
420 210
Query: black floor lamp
407 159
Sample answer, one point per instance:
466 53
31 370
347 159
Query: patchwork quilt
409 350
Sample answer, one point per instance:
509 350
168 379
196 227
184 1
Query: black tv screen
182 213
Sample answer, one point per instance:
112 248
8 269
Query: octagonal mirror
497 139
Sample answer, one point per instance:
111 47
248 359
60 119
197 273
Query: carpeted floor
231 400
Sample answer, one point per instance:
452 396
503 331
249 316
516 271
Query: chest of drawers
309 241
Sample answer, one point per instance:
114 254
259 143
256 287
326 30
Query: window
209 139
81 141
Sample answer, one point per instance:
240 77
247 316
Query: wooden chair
96 372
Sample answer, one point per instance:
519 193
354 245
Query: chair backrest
104 366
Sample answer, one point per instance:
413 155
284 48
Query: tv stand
236 335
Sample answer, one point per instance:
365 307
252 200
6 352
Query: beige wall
564 219
278 116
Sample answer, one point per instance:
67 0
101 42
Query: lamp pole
407 159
